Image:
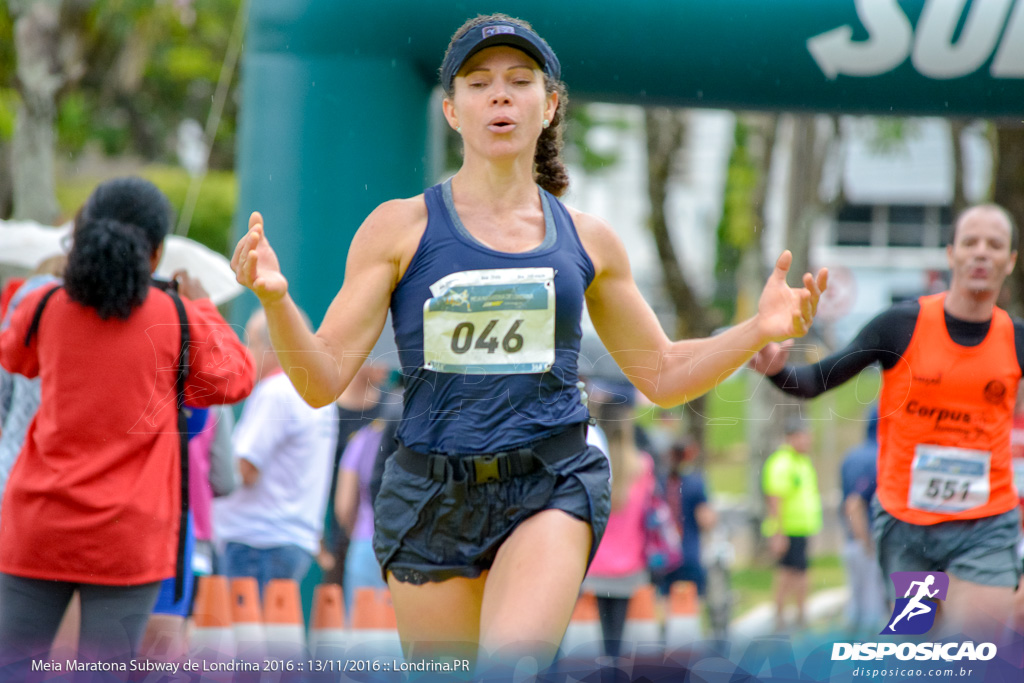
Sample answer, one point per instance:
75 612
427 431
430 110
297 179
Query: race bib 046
948 479
489 322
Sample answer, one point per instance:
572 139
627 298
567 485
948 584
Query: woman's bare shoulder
396 216
599 238
392 232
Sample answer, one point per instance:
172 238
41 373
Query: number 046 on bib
489 322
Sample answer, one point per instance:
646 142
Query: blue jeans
278 562
361 571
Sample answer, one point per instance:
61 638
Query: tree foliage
148 64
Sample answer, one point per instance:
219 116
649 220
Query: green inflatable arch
336 92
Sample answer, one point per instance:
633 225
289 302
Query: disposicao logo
914 614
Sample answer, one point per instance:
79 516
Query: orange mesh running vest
946 412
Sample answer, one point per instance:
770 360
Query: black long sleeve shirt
884 340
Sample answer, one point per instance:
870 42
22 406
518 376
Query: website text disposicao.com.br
869 672
949 654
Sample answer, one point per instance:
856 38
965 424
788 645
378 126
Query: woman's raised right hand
255 264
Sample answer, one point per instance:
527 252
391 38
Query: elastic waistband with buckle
488 467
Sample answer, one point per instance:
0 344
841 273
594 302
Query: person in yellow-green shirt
790 486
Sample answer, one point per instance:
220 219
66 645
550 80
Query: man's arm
264 425
250 473
856 511
777 541
223 477
706 516
1018 341
883 340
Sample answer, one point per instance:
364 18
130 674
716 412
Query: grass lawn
753 585
837 421
838 409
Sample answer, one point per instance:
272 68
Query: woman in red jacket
93 501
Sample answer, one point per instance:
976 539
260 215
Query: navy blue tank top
476 405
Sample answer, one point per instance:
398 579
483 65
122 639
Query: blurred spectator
354 508
10 288
866 609
100 512
271 526
212 459
22 397
688 498
619 566
1017 452
360 404
211 473
793 503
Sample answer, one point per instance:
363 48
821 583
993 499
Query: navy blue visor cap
498 33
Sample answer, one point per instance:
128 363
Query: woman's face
500 102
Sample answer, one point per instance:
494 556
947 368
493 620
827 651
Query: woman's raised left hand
785 312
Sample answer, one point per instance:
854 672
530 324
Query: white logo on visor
497 30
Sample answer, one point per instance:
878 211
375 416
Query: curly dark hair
117 232
548 168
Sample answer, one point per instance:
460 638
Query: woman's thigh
532 587
438 619
30 612
114 619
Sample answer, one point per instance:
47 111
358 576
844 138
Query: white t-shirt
292 445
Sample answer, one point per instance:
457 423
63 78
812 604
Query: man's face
980 256
802 442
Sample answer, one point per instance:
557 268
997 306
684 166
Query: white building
886 245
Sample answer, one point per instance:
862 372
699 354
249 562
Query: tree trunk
1008 193
665 129
49 60
665 134
762 133
37 42
810 147
6 193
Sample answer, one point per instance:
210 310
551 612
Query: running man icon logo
914 613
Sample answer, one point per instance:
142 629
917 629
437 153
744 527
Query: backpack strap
183 370
182 377
34 327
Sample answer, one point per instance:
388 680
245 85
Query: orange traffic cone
583 636
374 626
282 620
682 627
245 618
212 635
642 632
327 623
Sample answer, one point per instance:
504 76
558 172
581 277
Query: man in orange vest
951 363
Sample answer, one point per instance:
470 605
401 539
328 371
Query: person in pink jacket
619 567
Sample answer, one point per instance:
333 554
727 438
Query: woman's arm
322 364
667 372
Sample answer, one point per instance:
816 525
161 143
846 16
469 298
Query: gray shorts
428 531
977 550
